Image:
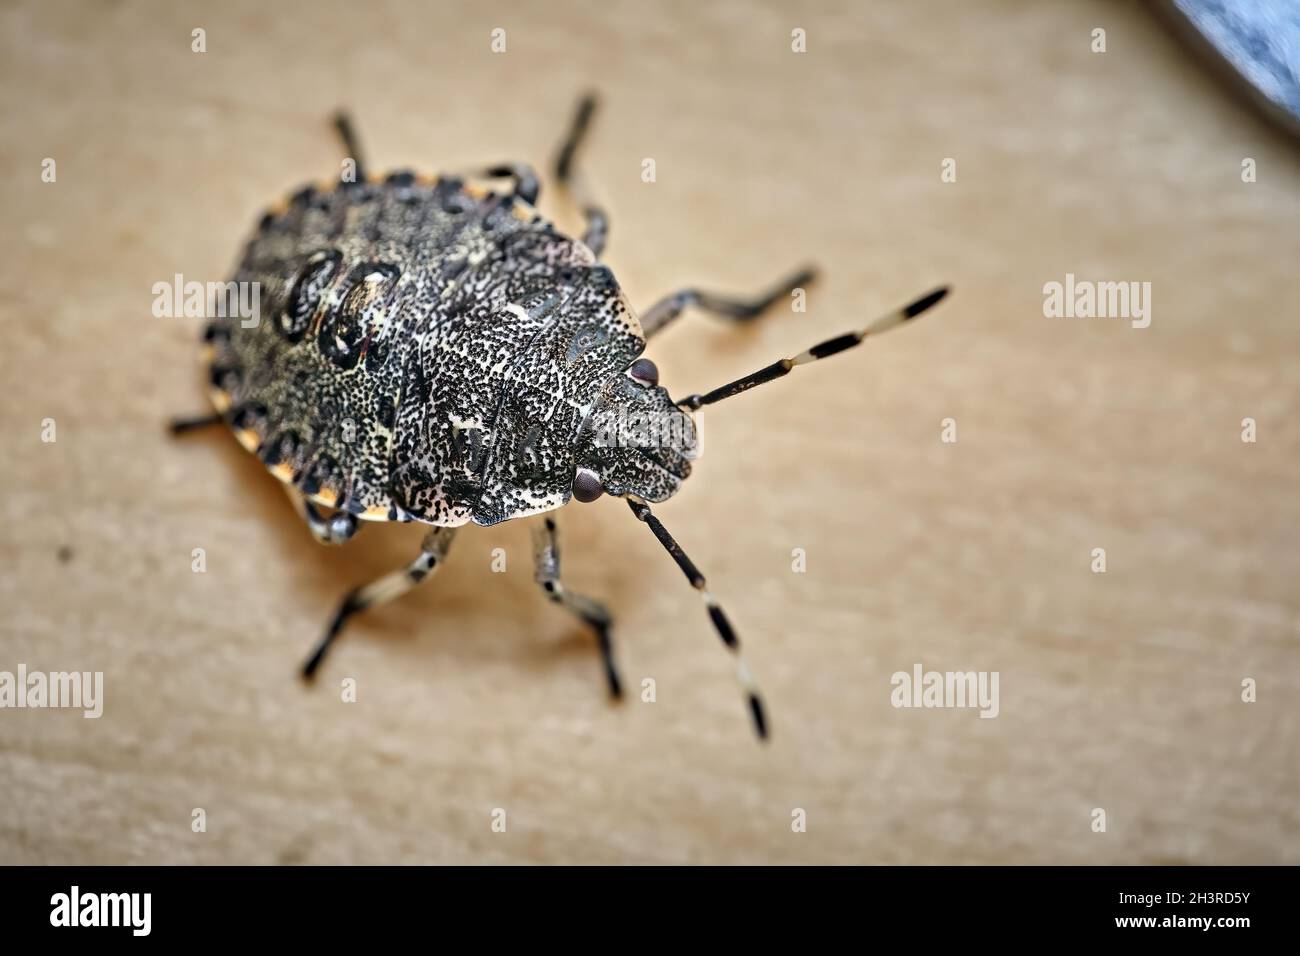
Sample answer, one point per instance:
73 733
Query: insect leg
720 621
392 585
546 558
597 231
742 310
179 426
343 123
336 529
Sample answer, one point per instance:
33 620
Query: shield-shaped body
425 349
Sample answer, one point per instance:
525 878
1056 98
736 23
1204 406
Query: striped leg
822 350
742 310
597 231
336 529
393 585
546 558
716 615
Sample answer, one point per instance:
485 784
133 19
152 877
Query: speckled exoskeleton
431 349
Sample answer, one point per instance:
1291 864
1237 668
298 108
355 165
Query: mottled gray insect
431 349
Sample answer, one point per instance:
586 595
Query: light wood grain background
1118 690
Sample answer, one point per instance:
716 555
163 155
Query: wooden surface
1119 691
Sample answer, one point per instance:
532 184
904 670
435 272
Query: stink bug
431 349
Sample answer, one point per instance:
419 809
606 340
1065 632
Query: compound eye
586 485
645 372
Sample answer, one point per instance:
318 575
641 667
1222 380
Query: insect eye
644 371
586 485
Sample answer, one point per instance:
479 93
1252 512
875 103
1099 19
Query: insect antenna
820 351
716 615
